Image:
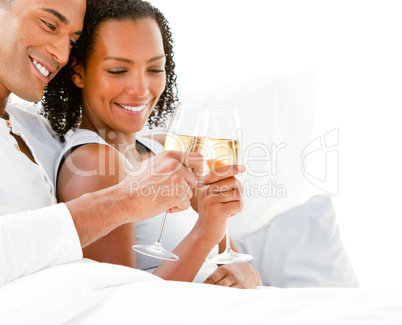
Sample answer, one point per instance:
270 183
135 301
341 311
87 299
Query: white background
354 48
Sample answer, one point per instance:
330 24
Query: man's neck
4 94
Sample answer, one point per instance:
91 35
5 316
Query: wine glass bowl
180 127
223 147
215 133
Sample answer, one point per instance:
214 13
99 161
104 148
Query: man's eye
49 26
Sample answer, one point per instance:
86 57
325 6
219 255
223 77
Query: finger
226 282
182 162
191 160
180 207
222 172
224 185
231 208
183 193
189 176
217 276
224 199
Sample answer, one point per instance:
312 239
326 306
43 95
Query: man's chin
32 96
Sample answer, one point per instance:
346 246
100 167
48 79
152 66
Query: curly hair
62 101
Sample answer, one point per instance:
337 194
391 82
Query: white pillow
276 116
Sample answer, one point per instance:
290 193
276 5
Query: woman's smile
131 108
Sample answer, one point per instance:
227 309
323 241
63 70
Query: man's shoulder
29 119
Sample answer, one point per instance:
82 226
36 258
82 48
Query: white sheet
87 292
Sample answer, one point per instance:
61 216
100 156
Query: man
36 37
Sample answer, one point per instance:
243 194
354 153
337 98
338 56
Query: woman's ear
78 76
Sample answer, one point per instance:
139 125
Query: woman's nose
138 86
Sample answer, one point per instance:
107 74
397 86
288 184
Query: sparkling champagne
217 152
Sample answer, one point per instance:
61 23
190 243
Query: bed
87 292
276 111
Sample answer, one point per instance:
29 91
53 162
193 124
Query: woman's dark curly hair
62 101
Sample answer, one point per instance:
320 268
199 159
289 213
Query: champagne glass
185 120
222 147
215 133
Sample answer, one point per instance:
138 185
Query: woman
121 75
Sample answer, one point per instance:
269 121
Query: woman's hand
242 276
219 197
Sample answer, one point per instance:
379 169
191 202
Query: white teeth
133 109
41 68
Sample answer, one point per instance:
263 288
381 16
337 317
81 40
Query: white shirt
34 231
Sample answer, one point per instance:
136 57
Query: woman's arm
87 169
218 198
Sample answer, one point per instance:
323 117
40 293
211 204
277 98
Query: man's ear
78 76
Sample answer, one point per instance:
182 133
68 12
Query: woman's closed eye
117 72
157 70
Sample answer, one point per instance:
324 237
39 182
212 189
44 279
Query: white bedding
87 292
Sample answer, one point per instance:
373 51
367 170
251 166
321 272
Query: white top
177 225
31 239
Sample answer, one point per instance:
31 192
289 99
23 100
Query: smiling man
36 37
36 40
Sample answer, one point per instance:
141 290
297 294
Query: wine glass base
156 251
230 257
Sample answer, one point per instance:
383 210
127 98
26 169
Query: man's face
36 38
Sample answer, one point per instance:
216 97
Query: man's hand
162 183
242 276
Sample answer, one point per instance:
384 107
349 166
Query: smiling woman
121 76
118 67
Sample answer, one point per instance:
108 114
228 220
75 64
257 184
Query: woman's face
125 75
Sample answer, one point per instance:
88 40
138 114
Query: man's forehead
56 7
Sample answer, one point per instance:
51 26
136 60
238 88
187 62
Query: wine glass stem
158 239
228 248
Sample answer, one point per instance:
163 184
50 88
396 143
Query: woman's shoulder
87 154
81 137
153 142
87 149
88 168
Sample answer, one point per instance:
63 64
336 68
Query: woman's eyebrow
116 58
156 58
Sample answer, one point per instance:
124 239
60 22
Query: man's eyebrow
58 15
116 58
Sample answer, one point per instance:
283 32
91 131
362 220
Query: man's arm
37 239
96 214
